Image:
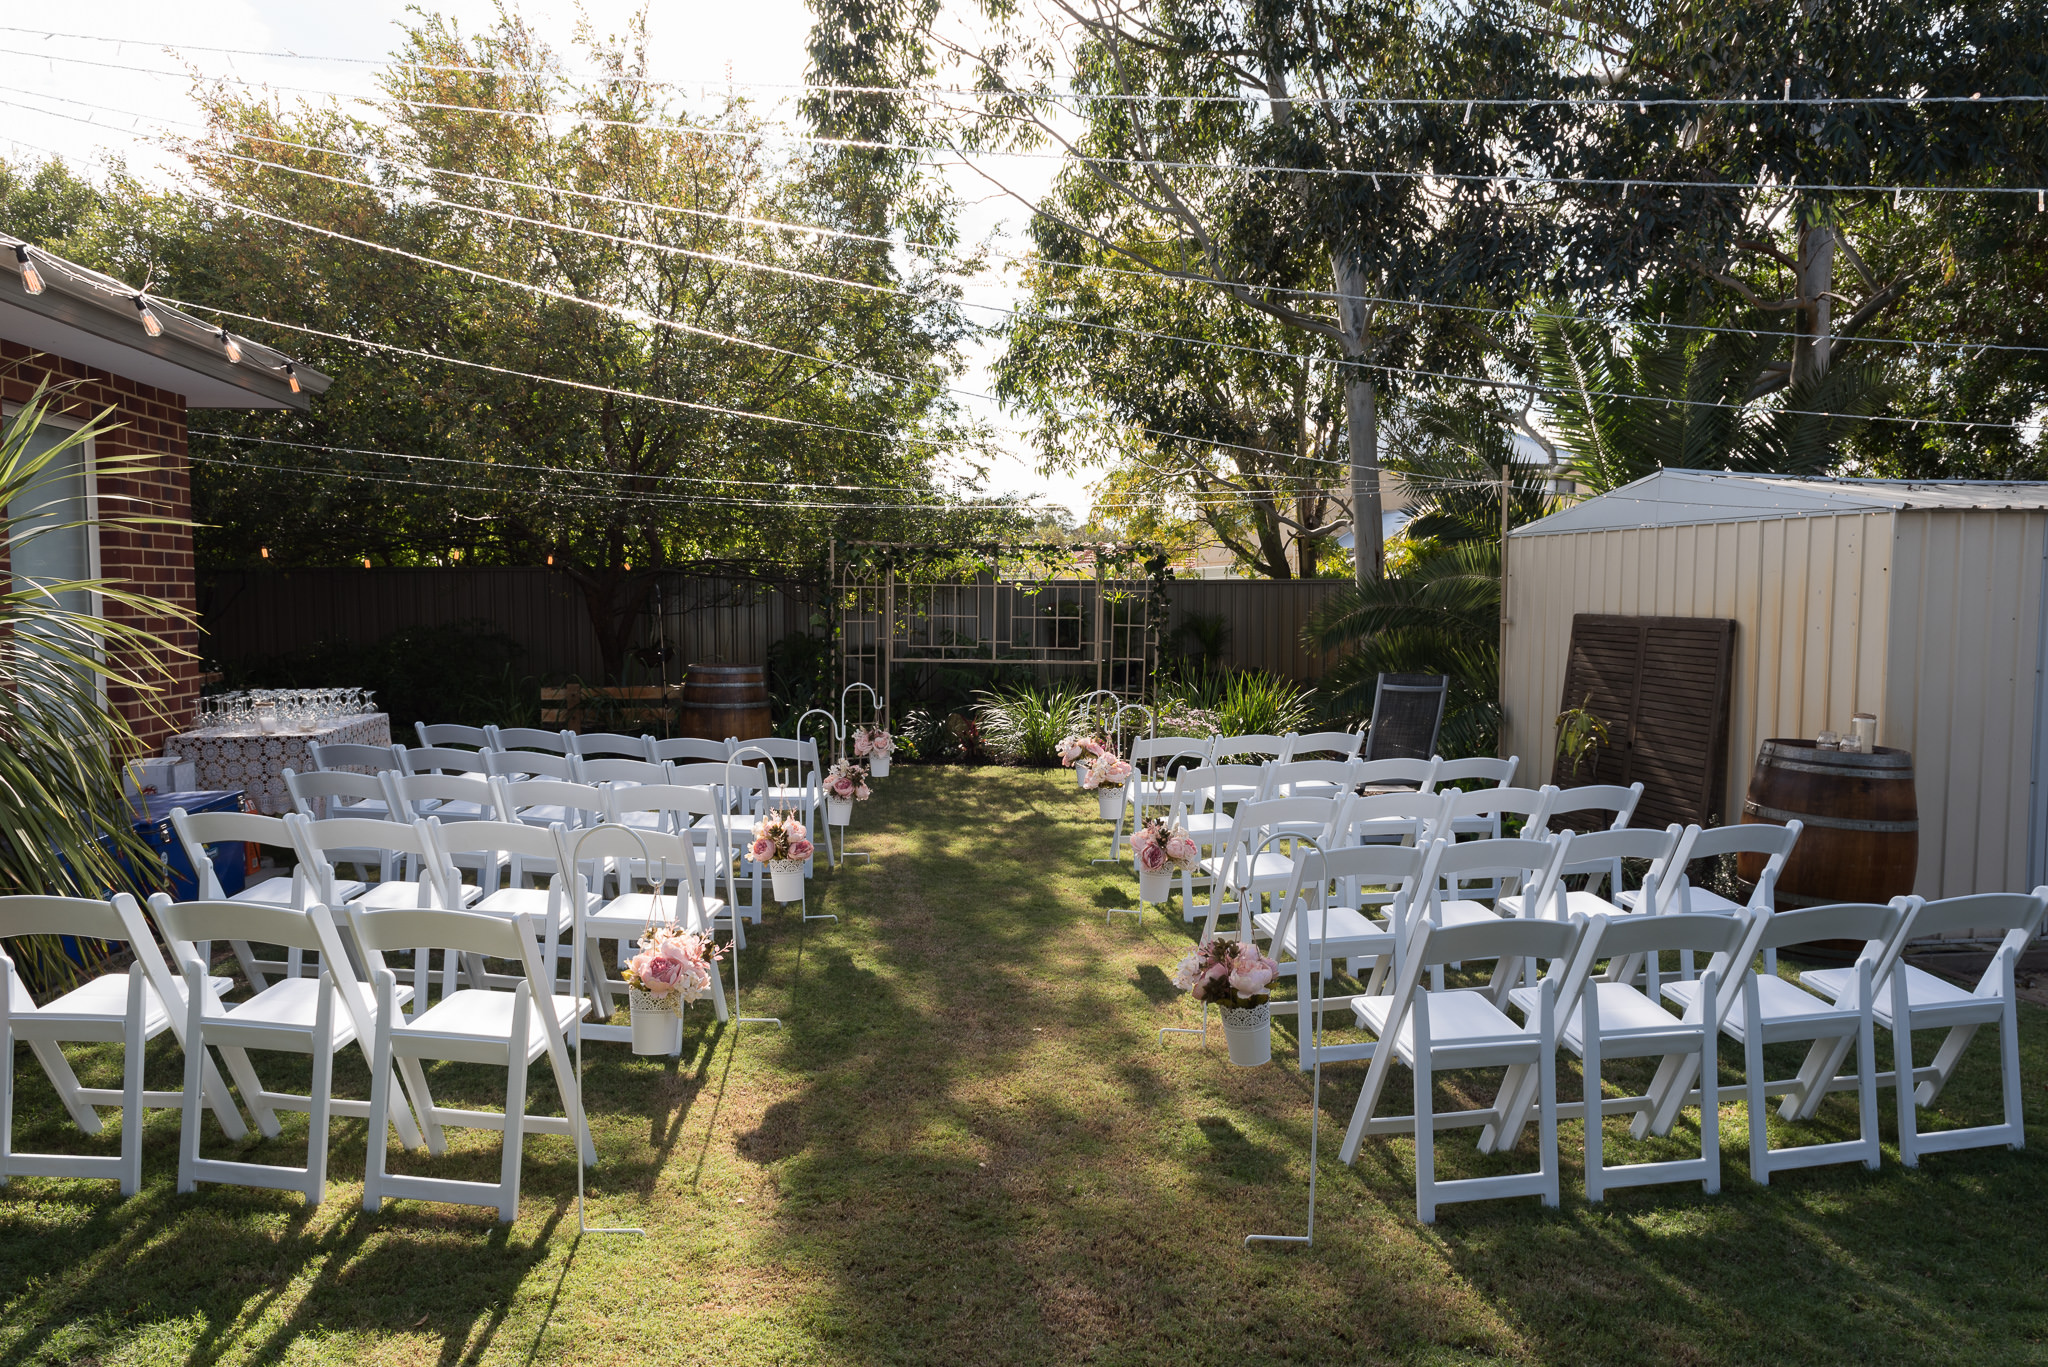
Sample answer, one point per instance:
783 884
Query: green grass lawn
967 1144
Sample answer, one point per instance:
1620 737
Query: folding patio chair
369 759
689 750
1407 713
1677 892
623 919
128 1008
527 738
1248 867
1153 780
474 1025
609 744
298 889
321 793
448 734
314 1016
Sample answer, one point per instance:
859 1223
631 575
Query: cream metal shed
1920 602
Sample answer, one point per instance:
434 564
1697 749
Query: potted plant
1580 735
1104 775
1159 851
672 969
782 843
874 744
1233 975
844 786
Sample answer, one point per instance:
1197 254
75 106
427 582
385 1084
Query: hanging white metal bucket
1248 1030
657 1023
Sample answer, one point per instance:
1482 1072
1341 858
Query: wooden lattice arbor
899 603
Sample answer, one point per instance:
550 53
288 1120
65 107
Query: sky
691 42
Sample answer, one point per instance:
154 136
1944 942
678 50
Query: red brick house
112 347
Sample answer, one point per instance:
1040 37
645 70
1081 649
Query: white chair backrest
1342 772
1530 803
513 938
1597 797
1483 769
528 849
1602 853
518 764
1399 868
599 744
408 794
197 830
1254 821
1412 817
688 800
310 790
1431 946
1152 754
1263 747
527 738
118 919
1514 865
580 804
186 925
438 761
595 771
370 759
656 857
1421 773
316 840
1774 842
688 750
1194 790
1723 939
1874 923
1317 744
443 734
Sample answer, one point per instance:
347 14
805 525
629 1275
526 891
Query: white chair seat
1337 928
634 911
451 810
1780 1001
474 1014
106 999
401 894
1236 792
1207 827
1923 990
1268 868
1703 900
1462 911
1455 1018
784 798
1310 788
296 1002
277 892
369 808
520 901
1623 1010
1576 903
547 814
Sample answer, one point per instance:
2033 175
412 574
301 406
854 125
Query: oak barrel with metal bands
1861 841
725 700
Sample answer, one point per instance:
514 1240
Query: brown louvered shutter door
1661 684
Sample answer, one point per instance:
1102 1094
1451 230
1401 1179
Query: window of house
47 545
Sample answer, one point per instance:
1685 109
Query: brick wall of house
156 561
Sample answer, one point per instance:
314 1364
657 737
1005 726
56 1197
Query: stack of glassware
280 711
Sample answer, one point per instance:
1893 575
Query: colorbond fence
251 614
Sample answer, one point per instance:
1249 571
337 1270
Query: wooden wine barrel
1861 841
725 700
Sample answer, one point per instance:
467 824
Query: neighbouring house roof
1678 498
91 318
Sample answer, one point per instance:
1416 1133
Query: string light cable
1248 95
199 148
1148 163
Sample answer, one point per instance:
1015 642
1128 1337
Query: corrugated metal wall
1930 620
1963 696
248 614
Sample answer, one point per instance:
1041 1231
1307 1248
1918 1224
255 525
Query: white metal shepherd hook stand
1310 936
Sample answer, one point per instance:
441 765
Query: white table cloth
256 763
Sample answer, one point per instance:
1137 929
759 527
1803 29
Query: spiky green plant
65 825
1026 723
1244 702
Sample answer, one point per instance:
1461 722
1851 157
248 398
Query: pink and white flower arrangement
1076 748
847 782
1158 848
673 966
1105 770
1228 973
873 740
780 838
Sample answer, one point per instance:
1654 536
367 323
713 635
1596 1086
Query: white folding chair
313 1016
795 782
689 750
1606 1017
445 797
128 1008
523 853
1311 778
474 1025
527 738
1198 809
1389 819
517 766
1154 780
197 830
322 793
663 857
1248 867
369 759
1599 855
1418 774
1314 928
602 744
618 771
431 884
545 802
1330 744
695 814
1909 998
1264 751
1766 1009
1506 867
1612 800
447 761
1431 1030
445 734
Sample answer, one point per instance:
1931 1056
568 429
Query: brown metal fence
252 614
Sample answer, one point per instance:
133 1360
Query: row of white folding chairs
594 745
312 1016
1608 1016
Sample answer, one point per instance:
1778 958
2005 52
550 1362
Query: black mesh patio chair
1407 712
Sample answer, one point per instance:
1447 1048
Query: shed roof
85 316
1678 498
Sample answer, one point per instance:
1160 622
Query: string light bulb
150 324
231 347
366 562
31 278
293 377
266 552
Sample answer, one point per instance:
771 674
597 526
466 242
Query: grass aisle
968 1145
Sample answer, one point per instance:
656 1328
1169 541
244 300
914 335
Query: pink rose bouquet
873 740
1074 749
673 965
1105 770
779 837
847 782
1228 973
1158 848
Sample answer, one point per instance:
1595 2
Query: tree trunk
1813 349
613 601
1361 424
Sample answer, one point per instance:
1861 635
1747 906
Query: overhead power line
1247 95
1511 179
